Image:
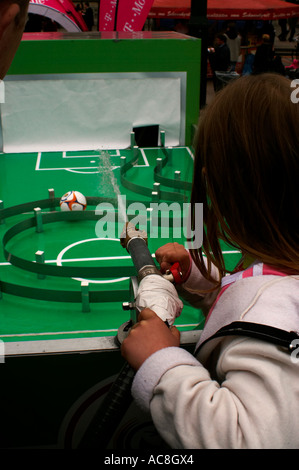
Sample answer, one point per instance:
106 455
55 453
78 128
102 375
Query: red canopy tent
61 11
227 9
131 14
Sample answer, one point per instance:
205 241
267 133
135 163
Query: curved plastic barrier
78 296
168 182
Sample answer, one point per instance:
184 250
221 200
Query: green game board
76 244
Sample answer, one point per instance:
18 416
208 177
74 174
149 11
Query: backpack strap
266 333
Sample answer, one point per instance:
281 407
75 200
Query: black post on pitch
198 27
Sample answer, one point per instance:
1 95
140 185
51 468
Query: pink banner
130 14
107 15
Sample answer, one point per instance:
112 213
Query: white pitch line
100 258
74 260
57 333
104 258
69 169
64 154
190 152
51 333
39 155
146 163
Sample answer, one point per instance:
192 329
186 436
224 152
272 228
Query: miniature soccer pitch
37 306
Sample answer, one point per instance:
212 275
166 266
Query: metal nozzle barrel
135 242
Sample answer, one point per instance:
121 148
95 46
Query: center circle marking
60 255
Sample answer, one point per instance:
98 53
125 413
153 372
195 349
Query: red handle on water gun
177 274
176 271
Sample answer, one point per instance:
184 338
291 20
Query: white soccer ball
73 201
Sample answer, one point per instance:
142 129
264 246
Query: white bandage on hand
159 295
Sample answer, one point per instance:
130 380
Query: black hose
118 399
111 411
140 254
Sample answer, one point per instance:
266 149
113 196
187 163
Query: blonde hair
246 173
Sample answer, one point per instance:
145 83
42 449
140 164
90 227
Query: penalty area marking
79 169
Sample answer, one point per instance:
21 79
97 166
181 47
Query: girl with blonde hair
240 389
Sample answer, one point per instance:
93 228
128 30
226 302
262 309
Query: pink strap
249 272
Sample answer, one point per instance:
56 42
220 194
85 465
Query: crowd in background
242 47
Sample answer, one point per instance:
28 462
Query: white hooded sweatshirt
237 392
